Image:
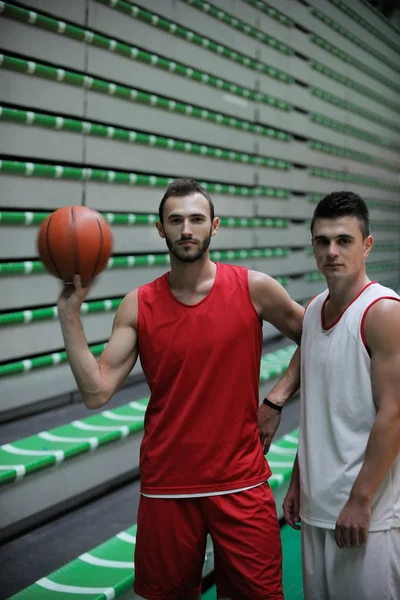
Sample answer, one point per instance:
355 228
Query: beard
188 256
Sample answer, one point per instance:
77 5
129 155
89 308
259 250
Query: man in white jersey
345 487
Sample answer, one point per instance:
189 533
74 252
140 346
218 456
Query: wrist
68 317
272 403
362 497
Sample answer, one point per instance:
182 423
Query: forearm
288 384
83 364
382 449
295 480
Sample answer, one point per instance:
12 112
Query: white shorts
370 572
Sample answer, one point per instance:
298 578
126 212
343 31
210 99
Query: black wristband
272 405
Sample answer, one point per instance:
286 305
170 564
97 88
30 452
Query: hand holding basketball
72 296
75 240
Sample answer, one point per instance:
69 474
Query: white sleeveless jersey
337 411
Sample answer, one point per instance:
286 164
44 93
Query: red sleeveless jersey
202 364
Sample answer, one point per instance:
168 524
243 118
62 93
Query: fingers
350 537
363 535
77 282
338 536
354 537
291 513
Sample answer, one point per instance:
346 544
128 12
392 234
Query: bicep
120 354
278 308
382 332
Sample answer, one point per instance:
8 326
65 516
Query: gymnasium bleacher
270 106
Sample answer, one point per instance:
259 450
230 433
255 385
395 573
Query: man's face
339 247
187 226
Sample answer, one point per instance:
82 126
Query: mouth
331 266
187 243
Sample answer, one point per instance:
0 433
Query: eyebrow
174 215
343 236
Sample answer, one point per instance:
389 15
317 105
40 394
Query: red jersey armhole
365 316
247 284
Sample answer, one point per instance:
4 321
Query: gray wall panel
110 153
154 40
28 140
40 194
19 89
41 45
115 111
74 10
125 198
340 17
102 63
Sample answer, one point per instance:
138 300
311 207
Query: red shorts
171 541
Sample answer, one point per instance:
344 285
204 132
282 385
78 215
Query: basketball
75 240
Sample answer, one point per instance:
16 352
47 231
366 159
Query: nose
333 249
186 228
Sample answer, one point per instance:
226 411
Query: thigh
363 573
394 551
313 565
247 544
170 548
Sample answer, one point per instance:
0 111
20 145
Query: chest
178 333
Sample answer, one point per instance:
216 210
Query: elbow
92 401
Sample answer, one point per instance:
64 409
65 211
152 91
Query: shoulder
128 309
261 283
381 323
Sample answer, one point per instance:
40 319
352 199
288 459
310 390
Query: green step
354 108
31 169
353 38
352 154
131 261
343 6
350 83
225 17
354 131
48 448
47 121
271 12
36 218
352 177
339 53
371 203
138 12
106 572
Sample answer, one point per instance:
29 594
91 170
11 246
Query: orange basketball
75 240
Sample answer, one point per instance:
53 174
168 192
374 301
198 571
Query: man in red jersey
198 330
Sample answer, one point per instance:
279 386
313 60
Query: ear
160 229
214 226
368 243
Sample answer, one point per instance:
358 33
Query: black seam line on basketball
75 234
49 248
100 252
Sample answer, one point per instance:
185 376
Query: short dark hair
184 187
343 204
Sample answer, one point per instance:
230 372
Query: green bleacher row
107 571
48 121
153 60
66 442
55 358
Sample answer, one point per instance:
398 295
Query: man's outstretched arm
274 305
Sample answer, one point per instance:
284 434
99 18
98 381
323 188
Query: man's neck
342 292
189 276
